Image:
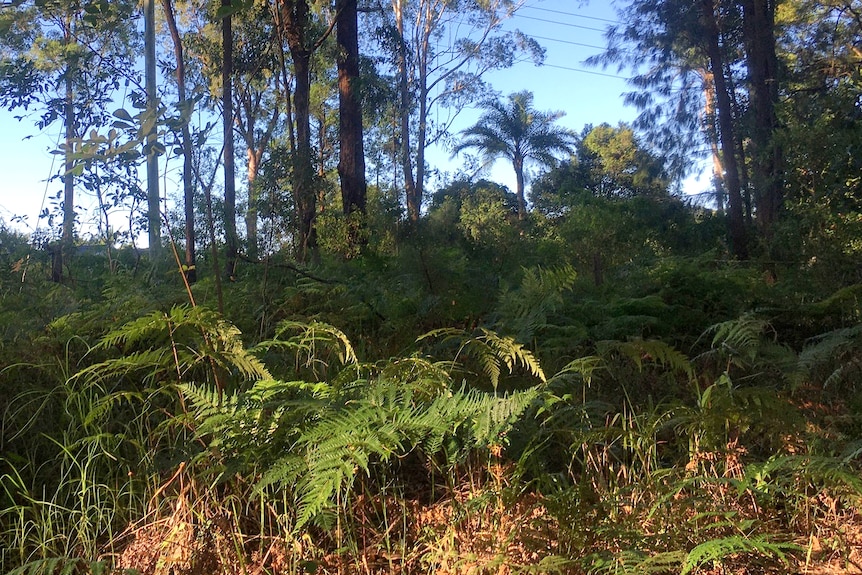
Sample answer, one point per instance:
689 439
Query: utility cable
559 23
574 14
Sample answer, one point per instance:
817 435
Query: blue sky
569 30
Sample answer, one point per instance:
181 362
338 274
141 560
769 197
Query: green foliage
186 343
491 351
335 432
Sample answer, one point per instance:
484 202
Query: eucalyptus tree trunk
153 197
738 233
250 100
188 182
351 159
759 39
229 170
64 252
413 199
295 17
253 157
709 124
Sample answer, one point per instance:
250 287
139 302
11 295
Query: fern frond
174 344
585 367
316 332
387 419
834 350
513 354
717 550
654 351
492 351
740 337
525 309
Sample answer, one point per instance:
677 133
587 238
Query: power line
573 14
582 45
559 23
582 71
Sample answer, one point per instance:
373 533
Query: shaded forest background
321 365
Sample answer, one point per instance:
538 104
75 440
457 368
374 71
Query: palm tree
517 132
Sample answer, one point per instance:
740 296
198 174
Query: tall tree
519 133
684 56
259 95
185 143
351 159
69 121
762 64
231 240
66 60
727 130
296 20
443 49
619 165
154 215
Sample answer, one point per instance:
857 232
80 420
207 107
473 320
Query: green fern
386 421
835 352
492 352
313 344
52 566
525 310
183 343
655 352
718 550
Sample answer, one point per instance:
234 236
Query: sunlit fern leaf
653 352
313 346
740 337
718 550
836 351
316 332
491 351
386 420
427 379
176 342
513 354
781 472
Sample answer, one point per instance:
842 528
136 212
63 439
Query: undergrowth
175 447
346 426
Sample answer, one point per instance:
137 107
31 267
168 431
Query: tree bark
64 252
413 199
188 182
295 18
256 143
709 124
762 62
518 164
154 216
229 168
253 156
738 233
351 158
